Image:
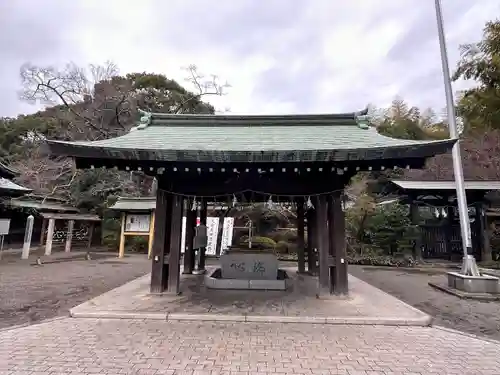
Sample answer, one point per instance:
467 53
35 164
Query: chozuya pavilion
307 159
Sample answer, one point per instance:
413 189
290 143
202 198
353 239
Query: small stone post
50 235
69 236
27 237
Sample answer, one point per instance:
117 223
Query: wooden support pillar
322 242
50 236
448 226
69 236
188 246
331 242
483 233
121 251
337 226
202 250
300 236
174 259
311 242
415 220
161 241
151 234
44 228
91 235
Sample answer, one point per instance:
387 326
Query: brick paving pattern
88 346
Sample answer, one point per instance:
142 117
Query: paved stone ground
89 346
476 317
365 304
31 293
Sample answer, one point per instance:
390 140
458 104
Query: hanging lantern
309 204
436 213
443 213
270 203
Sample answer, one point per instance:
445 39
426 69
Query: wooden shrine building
210 158
54 218
8 188
440 235
137 219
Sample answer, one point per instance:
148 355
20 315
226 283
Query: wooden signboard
137 223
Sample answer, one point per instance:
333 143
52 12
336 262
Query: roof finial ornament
144 121
363 119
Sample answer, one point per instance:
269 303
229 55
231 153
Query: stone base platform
365 305
473 284
214 280
465 295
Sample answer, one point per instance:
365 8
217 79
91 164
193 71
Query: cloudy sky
294 56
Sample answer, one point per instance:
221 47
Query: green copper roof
134 204
446 185
232 138
40 204
9 186
7 172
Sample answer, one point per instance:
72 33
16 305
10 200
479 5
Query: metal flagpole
469 266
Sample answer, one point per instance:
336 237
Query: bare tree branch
202 86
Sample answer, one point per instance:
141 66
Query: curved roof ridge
347 118
7 171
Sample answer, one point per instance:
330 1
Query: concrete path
120 347
299 304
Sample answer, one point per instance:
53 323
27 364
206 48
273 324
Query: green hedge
259 242
380 229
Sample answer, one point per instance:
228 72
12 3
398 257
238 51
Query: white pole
469 264
50 237
27 237
69 236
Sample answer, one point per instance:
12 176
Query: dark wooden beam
175 245
247 186
148 163
322 242
300 236
338 220
159 271
190 231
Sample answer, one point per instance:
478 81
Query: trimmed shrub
289 236
381 260
263 243
139 244
282 247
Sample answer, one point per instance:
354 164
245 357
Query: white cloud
279 56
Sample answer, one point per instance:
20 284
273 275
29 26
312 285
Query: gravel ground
480 318
32 293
